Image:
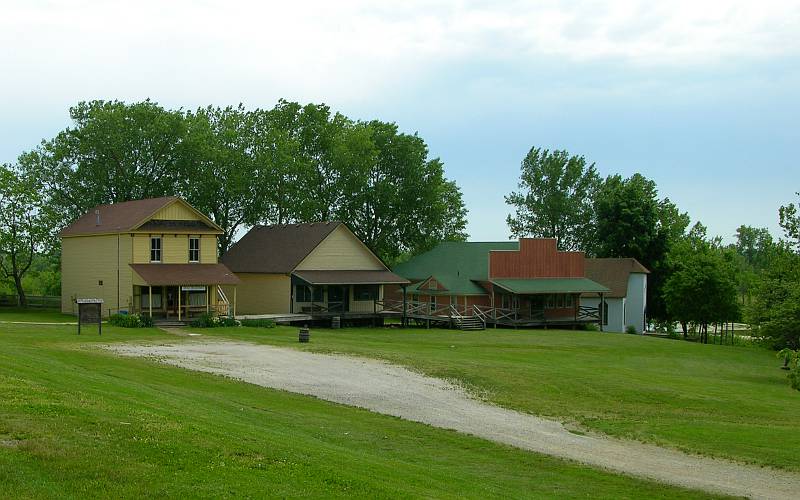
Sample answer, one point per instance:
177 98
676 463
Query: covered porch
354 294
179 292
544 302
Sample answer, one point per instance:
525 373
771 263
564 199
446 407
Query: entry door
172 300
338 298
537 306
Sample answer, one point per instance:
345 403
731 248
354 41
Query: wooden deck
450 315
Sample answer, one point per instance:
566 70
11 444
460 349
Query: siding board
340 250
536 258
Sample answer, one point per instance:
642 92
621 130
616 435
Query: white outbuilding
626 303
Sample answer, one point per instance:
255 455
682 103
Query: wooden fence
37 301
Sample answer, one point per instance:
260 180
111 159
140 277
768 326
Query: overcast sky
701 96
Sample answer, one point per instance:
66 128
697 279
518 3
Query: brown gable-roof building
156 257
319 269
626 303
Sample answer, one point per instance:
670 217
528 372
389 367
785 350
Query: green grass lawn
715 400
35 315
78 422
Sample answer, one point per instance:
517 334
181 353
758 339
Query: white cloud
351 50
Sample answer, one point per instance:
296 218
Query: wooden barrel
304 335
336 322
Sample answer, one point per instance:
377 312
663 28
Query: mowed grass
722 401
15 314
78 422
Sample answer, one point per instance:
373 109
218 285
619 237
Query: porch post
602 310
234 300
404 319
575 305
150 298
208 299
179 302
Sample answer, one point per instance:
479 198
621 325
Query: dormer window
194 249
155 249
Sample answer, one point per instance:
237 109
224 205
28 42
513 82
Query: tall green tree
554 200
25 228
225 181
278 162
755 245
789 219
754 252
113 152
774 313
701 288
329 154
291 163
631 221
402 203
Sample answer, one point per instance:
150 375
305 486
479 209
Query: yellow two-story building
156 257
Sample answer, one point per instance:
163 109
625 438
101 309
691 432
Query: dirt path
393 390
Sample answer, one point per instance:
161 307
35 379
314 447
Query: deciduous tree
554 200
225 181
701 288
631 221
113 152
25 227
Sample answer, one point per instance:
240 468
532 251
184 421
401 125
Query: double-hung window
194 249
155 249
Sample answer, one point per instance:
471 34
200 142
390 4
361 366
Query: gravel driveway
393 390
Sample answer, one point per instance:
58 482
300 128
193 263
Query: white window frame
197 239
156 251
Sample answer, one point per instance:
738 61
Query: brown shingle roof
613 273
185 274
350 277
117 217
276 249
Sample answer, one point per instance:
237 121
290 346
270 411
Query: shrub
792 360
258 323
590 327
631 330
130 321
226 321
212 321
205 320
146 321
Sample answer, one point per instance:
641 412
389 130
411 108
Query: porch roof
550 285
350 277
185 274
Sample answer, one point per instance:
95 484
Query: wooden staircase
469 323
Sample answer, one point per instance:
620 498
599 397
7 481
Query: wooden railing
486 314
589 313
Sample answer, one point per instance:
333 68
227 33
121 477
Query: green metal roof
455 265
550 285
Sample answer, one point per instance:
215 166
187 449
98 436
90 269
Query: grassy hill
78 422
715 400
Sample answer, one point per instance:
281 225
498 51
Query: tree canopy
554 198
291 163
25 228
700 287
631 221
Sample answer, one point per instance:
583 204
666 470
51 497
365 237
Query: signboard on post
90 311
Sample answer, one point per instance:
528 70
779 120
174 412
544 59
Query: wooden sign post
90 311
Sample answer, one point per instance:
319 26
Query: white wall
636 301
616 312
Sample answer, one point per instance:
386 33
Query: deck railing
486 314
